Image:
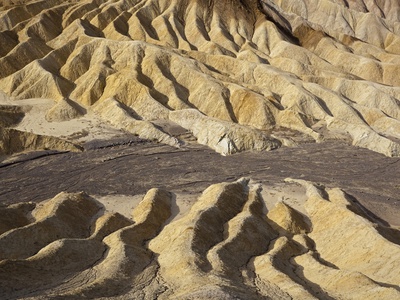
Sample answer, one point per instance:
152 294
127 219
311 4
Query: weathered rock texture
225 247
326 69
12 141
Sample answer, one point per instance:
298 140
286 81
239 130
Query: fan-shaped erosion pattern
227 245
255 70
105 79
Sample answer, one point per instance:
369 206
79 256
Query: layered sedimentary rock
326 69
227 246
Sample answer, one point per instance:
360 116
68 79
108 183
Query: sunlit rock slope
227 246
252 70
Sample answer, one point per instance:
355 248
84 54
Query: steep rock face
12 141
224 137
265 65
224 247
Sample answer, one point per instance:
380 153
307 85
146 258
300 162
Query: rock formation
234 75
226 246
12 141
253 69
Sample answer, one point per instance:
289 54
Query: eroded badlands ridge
227 246
236 74
232 75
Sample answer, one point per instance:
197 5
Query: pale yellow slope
267 65
222 245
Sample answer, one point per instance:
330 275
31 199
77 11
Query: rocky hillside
224 247
234 75
239 75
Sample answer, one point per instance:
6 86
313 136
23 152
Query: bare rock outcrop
266 66
63 110
10 115
234 75
222 136
226 246
12 141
